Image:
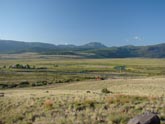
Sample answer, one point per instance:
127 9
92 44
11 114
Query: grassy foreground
83 102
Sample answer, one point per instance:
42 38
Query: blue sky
111 22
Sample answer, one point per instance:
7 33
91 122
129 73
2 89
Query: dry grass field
83 102
140 88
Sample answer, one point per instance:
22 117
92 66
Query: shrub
42 68
3 86
59 81
105 90
23 84
100 78
117 118
40 83
33 84
12 85
79 106
88 91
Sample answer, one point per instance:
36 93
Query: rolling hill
90 50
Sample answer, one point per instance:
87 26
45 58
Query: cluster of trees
21 66
23 84
24 66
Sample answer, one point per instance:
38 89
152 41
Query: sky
111 22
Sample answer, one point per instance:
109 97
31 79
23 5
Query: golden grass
141 87
72 102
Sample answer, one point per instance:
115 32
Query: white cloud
135 38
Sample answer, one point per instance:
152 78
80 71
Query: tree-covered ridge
90 50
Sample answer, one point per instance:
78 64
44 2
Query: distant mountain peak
96 45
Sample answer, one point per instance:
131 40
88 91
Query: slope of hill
153 51
9 46
90 50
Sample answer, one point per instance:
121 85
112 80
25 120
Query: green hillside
90 50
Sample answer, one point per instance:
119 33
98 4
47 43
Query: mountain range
90 50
